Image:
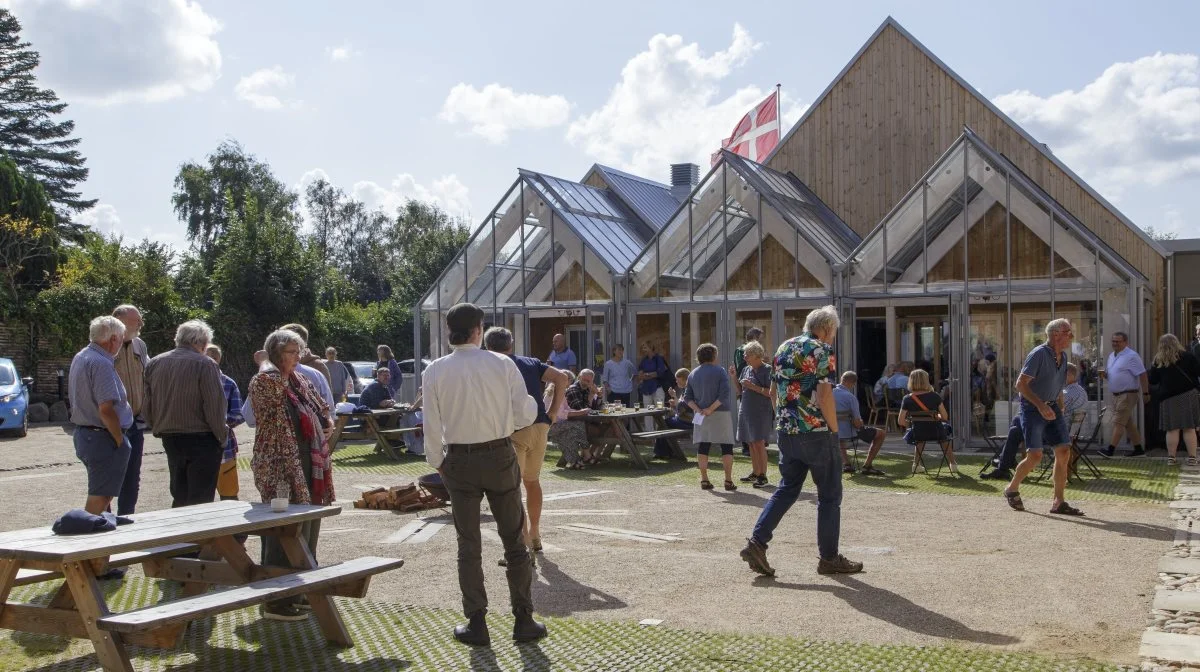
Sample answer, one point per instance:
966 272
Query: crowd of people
489 415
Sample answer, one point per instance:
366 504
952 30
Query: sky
445 101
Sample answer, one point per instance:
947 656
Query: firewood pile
408 497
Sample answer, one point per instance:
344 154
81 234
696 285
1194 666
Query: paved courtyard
954 579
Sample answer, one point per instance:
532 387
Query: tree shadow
562 595
1123 528
895 609
35 644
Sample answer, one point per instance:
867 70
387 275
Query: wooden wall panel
778 270
893 113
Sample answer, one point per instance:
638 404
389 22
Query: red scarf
311 430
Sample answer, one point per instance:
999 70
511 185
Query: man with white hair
101 413
131 367
185 405
805 371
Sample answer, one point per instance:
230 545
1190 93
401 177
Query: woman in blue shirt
710 394
617 378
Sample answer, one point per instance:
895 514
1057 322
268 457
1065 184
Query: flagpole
779 108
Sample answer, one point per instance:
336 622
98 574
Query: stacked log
407 497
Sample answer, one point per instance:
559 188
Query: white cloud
342 53
102 217
667 106
262 88
104 52
1137 123
447 192
494 111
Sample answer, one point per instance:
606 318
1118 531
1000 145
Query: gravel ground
939 569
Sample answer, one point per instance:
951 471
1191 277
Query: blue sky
444 101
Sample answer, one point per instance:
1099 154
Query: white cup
279 504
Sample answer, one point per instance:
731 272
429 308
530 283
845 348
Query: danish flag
757 133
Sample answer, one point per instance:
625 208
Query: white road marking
336 530
364 488
585 512
24 477
628 535
365 512
871 550
415 532
490 534
555 496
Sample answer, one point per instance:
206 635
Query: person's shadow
895 609
1124 528
564 596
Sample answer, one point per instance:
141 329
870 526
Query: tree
23 242
105 272
31 131
209 196
427 239
1155 234
265 277
324 203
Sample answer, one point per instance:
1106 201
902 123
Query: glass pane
515 322
1030 238
709 216
697 327
990 386
674 248
538 275
779 259
987 221
643 275
906 247
741 232
923 334
451 289
479 266
508 251
744 320
544 324
600 341
599 279
793 323
654 329
568 264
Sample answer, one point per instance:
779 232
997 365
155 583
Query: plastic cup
279 504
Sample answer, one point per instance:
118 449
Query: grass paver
393 637
1128 479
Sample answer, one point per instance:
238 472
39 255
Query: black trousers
470 475
194 461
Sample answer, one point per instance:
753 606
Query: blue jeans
799 455
1016 436
1042 433
127 500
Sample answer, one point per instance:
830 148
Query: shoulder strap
917 399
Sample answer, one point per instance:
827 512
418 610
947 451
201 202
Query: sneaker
849 469
954 469
749 479
755 554
1171 462
872 471
288 612
1137 452
839 565
760 482
918 468
1106 452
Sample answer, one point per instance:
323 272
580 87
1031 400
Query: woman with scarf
291 455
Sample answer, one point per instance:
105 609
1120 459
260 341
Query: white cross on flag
757 133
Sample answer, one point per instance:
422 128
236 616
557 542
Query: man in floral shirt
804 375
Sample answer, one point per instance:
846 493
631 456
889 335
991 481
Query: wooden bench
348 579
399 432
651 437
28 576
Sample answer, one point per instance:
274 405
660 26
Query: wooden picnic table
372 430
615 433
79 608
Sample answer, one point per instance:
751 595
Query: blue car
14 400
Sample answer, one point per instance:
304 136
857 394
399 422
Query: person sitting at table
922 399
583 395
681 418
710 394
291 455
377 395
568 434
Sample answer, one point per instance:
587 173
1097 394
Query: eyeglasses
292 351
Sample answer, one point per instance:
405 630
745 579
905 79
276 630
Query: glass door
516 320
957 356
699 324
655 325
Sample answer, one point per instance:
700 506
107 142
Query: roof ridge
1040 147
609 169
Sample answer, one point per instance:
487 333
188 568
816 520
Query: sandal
729 486
1064 509
1014 500
1171 461
706 485
1191 462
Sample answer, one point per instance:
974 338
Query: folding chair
873 410
996 443
853 441
1077 452
892 400
927 426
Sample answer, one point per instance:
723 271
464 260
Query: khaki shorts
227 479
530 446
1125 408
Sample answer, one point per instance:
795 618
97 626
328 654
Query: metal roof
652 201
1045 151
791 198
609 229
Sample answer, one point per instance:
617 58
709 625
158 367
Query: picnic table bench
156 540
614 433
371 429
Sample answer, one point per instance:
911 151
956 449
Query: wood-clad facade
894 111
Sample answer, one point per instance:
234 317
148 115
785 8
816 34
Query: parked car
364 373
14 399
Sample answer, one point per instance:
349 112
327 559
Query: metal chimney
684 177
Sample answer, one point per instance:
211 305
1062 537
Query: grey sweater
708 383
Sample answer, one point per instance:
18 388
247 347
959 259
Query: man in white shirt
473 402
1127 384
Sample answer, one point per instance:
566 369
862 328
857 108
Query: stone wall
15 345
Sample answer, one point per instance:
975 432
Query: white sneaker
954 469
918 468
